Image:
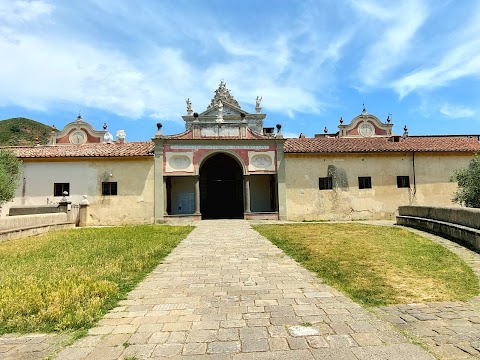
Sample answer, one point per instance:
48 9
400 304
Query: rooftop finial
364 111
325 130
341 120
388 119
159 130
105 126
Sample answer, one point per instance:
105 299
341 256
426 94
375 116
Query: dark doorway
221 188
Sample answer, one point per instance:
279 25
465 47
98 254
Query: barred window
109 188
403 181
59 188
364 182
325 183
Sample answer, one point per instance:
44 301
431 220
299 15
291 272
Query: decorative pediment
366 125
224 117
227 111
77 132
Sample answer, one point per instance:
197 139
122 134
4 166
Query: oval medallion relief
179 162
262 161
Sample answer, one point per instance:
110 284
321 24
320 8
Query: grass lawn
376 265
67 280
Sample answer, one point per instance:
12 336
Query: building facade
226 164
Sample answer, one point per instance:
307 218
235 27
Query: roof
127 149
380 144
303 145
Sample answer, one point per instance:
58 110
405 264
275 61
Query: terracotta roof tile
361 145
87 150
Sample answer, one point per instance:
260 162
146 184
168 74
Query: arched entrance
221 188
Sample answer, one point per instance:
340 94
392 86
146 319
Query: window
325 183
364 182
403 181
109 188
59 188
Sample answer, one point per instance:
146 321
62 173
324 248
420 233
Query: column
197 194
281 177
165 196
246 183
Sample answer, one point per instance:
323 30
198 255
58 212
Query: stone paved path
451 330
227 293
31 346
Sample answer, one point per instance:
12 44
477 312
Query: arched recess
221 187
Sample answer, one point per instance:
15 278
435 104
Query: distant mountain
22 131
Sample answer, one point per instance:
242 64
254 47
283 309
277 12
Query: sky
132 64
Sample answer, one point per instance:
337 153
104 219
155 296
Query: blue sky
132 64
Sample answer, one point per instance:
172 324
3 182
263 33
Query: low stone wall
34 209
461 225
12 227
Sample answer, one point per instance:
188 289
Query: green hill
22 131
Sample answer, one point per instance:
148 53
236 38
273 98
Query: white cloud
23 11
456 111
372 9
395 29
289 134
460 61
458 57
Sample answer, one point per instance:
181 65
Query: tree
468 192
9 175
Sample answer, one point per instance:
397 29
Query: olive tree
468 192
9 175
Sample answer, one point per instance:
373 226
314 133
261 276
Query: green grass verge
68 280
376 265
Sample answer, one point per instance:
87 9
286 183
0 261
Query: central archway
221 188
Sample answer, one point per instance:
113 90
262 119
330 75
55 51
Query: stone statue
258 101
257 104
107 138
121 135
189 106
220 111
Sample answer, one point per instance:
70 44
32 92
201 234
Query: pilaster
159 187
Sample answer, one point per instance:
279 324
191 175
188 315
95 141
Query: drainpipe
414 180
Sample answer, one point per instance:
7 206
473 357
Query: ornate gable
365 125
78 132
224 117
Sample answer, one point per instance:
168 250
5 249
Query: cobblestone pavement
227 293
451 330
31 346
